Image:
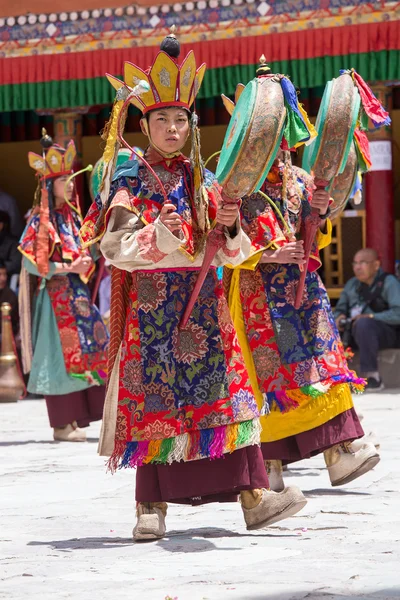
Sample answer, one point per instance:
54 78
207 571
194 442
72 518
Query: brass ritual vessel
12 386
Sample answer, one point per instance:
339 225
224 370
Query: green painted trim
308 73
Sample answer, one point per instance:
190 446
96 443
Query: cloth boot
150 523
261 507
69 433
344 464
275 475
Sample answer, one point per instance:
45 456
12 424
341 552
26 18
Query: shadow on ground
88 543
175 541
334 492
196 540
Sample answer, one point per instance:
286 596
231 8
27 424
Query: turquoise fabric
48 375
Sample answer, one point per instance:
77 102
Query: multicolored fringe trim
286 400
204 443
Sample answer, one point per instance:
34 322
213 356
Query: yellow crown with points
56 162
166 83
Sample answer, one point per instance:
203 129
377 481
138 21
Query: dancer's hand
81 265
227 214
290 253
170 218
320 201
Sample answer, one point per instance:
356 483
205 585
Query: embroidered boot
150 521
275 475
262 508
69 433
344 464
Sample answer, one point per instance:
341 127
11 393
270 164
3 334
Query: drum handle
211 157
275 207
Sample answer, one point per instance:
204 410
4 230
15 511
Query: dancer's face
60 187
169 128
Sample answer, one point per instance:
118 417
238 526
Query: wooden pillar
379 197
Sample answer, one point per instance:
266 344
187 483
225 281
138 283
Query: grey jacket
350 298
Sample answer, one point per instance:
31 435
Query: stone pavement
65 527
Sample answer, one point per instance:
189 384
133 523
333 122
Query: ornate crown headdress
165 83
55 161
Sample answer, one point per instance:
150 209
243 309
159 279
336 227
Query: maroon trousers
345 427
203 481
83 407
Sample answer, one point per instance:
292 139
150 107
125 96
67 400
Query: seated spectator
7 295
9 253
9 205
369 309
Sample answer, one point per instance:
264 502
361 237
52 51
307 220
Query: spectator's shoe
275 477
150 524
370 438
272 507
70 433
345 465
374 385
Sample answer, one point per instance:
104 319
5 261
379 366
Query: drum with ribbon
97 174
337 118
326 157
267 113
253 137
341 147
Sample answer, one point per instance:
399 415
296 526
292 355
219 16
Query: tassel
194 447
120 449
153 452
137 459
207 443
179 451
281 400
244 433
206 437
166 449
231 436
312 391
217 445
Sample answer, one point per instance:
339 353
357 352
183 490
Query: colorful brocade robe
295 358
69 338
175 394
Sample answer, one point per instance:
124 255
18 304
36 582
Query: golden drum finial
263 68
